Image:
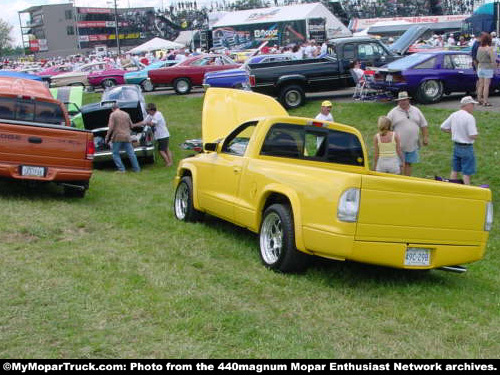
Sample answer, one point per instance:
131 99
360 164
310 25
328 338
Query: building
63 29
278 25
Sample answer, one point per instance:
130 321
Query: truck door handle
34 140
236 170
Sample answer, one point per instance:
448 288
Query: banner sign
95 10
317 29
359 24
251 36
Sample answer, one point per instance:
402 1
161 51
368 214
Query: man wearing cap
325 112
462 126
408 121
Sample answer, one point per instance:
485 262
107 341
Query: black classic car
96 115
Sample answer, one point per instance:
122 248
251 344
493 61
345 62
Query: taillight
90 149
398 78
349 205
251 79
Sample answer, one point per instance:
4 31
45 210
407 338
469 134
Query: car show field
117 276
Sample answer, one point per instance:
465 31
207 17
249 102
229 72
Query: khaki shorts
388 165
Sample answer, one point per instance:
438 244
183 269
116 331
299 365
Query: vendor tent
277 25
155 44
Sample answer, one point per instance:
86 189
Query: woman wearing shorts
486 66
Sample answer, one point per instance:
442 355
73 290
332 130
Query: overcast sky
11 7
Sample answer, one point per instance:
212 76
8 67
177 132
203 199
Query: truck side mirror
210 146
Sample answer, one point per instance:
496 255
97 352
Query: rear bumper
54 174
393 254
140 152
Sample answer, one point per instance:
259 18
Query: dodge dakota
306 188
37 143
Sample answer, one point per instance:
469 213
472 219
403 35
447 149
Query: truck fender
188 169
295 78
293 198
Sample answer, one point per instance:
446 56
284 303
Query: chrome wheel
430 91
271 238
107 83
147 85
182 86
181 201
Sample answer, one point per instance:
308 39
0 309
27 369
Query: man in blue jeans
119 127
462 126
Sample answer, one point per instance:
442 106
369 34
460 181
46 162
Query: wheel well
291 83
276 198
186 172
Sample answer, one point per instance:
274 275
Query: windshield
120 93
409 61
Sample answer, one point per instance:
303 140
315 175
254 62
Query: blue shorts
485 73
411 157
464 160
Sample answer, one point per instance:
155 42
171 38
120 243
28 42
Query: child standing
388 155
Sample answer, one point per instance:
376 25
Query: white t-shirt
323 117
462 125
158 121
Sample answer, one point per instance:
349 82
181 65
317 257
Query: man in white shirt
325 112
462 126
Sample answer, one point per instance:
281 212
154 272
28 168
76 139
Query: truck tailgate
412 210
43 145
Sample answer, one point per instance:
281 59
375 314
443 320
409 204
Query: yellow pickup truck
305 186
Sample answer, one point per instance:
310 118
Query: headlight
349 205
488 223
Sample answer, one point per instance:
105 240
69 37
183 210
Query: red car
190 72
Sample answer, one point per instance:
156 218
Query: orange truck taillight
90 149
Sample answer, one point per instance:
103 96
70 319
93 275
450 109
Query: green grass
115 275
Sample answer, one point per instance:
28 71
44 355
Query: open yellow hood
225 109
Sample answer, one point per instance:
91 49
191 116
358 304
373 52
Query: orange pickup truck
37 143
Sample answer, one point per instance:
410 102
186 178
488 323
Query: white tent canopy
155 44
334 28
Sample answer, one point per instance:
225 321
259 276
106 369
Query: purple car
427 76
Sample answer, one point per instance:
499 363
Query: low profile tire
430 91
147 85
182 86
108 83
292 96
183 201
277 241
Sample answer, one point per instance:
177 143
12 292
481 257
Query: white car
78 77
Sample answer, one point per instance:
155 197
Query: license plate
32 171
388 78
417 257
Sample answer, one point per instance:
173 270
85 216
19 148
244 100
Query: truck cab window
236 143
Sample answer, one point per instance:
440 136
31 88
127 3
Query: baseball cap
326 103
468 100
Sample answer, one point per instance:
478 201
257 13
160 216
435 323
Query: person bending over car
156 120
119 127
